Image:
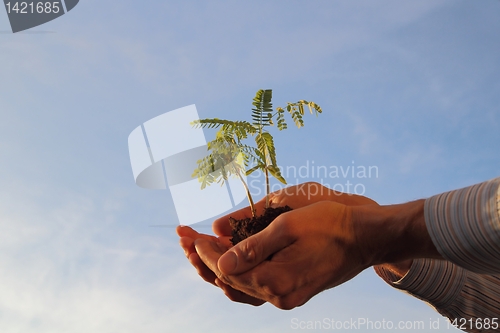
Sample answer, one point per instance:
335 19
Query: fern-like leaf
296 115
253 154
225 159
280 119
265 144
255 168
229 156
262 108
241 129
276 172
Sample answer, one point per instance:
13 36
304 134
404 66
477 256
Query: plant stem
268 188
249 196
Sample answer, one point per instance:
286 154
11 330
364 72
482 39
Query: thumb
255 249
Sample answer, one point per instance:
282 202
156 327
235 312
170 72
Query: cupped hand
188 237
313 248
294 196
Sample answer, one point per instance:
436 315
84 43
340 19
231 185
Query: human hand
313 248
211 248
188 236
294 196
304 194
221 242
311 192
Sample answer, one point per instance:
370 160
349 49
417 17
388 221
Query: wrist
399 269
393 233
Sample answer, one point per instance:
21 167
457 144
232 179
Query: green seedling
231 156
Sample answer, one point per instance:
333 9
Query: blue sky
408 86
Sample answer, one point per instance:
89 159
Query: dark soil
249 226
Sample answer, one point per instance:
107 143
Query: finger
225 241
300 195
187 244
209 253
255 249
221 225
203 271
190 251
185 231
188 235
358 200
238 296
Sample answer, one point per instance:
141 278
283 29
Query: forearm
464 226
393 235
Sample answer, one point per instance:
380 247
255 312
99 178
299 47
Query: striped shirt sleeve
464 225
465 228
456 293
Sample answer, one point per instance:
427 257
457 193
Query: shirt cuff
437 282
464 225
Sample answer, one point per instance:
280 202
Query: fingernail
228 262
